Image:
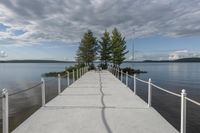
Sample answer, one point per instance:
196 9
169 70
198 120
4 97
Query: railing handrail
162 89
5 95
182 96
193 101
32 87
146 82
167 91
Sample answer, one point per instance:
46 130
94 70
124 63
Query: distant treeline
145 61
35 61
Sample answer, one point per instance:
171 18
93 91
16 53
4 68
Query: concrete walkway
96 103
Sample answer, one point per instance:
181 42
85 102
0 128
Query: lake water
172 76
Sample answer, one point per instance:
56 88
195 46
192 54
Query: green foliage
105 49
87 51
110 49
62 73
132 71
118 47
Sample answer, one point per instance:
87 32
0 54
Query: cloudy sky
51 29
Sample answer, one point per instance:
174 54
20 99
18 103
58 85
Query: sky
52 29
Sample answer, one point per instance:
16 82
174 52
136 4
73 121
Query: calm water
172 76
20 76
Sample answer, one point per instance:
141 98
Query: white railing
183 95
5 94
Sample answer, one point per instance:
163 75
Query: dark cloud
67 19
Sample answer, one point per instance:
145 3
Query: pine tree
87 50
118 48
105 49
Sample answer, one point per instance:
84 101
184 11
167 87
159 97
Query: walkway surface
96 103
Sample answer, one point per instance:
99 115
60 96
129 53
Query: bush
132 71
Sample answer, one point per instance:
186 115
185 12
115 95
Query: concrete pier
96 103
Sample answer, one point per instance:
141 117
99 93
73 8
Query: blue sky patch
3 27
18 32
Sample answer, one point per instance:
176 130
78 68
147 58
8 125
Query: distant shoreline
183 60
36 61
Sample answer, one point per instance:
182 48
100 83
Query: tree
87 50
118 48
105 49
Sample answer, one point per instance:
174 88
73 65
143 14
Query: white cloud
3 54
66 20
182 54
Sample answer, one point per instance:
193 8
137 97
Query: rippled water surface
172 76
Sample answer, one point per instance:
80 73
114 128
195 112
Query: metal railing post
83 70
67 78
112 70
59 84
183 111
117 73
43 92
77 73
121 75
73 76
5 114
134 83
126 78
149 93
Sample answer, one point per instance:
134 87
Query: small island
110 49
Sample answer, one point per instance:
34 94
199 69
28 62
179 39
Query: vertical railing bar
73 76
134 83
43 92
67 79
59 84
126 78
149 93
121 76
5 114
183 111
77 74
118 73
